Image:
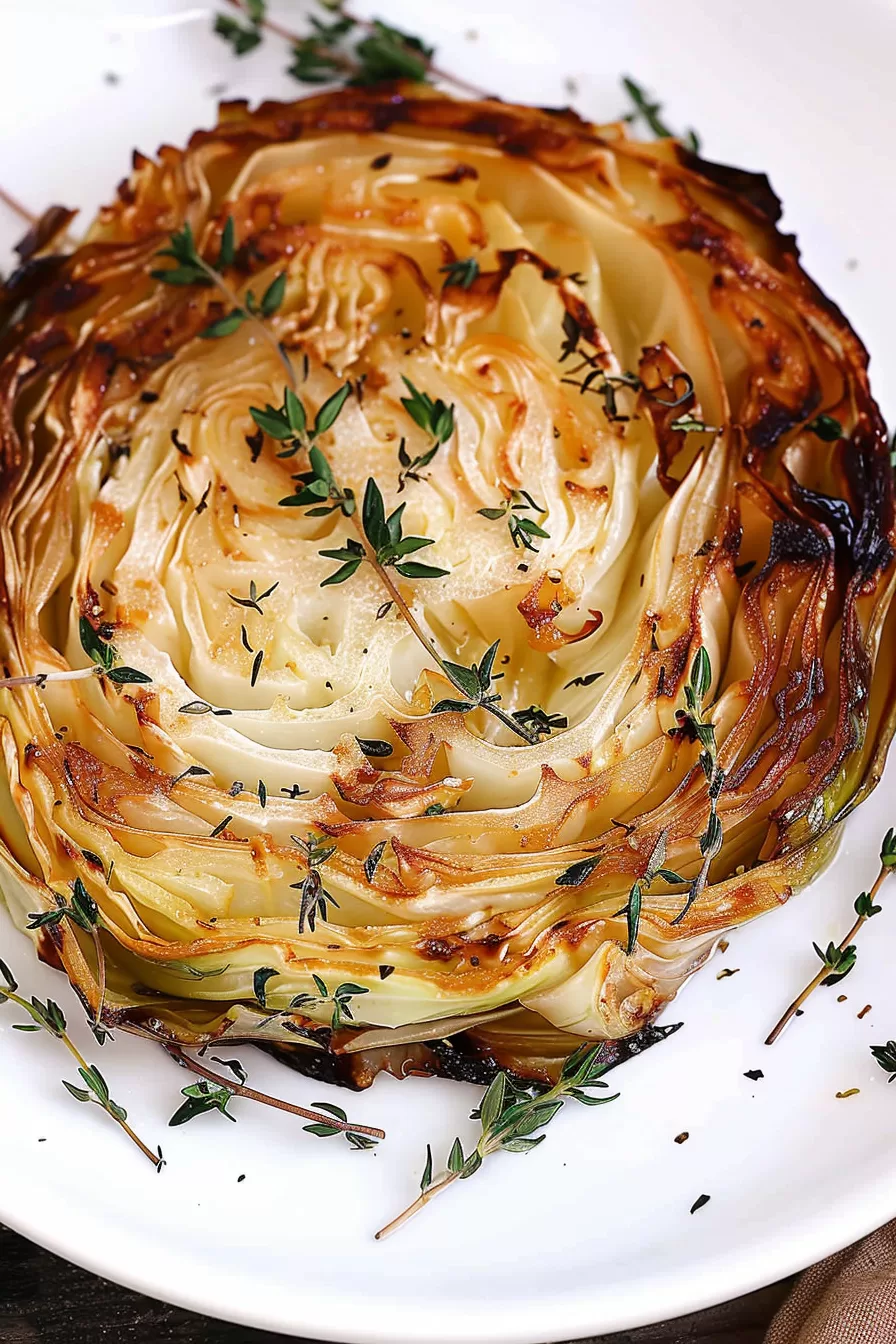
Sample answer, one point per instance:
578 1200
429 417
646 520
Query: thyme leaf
460 274
650 111
433 417
522 530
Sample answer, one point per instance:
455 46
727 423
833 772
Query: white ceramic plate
593 1232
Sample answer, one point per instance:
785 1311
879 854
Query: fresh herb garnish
202 1097
650 112
381 53
539 722
839 958
693 723
826 427
288 423
578 872
313 894
241 1090
885 1055
388 53
522 530
387 541
838 961
320 493
372 862
688 424
411 467
476 685
510 1118
588 680
340 1000
191 268
323 1130
255 598
434 417
259 983
271 300
82 911
49 1017
654 869
242 38
103 653
460 274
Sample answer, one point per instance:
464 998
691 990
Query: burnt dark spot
459 173
772 422
381 161
71 294
794 540
753 188
54 220
435 949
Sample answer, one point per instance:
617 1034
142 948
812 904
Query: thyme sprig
387 544
325 1130
314 896
693 722
435 418
192 269
476 684
202 1097
521 530
103 655
320 493
49 1017
242 38
270 301
649 111
340 1000
839 958
509 1118
288 423
96 643
83 912
241 1090
381 52
655 868
411 467
539 722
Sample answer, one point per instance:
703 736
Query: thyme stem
231 297
419 1203
63 1036
825 970
392 588
17 208
272 27
242 1091
39 678
509 1118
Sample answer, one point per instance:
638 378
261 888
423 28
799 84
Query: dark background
45 1300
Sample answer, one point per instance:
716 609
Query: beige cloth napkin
847 1299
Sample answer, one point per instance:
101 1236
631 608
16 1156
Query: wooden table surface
45 1300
